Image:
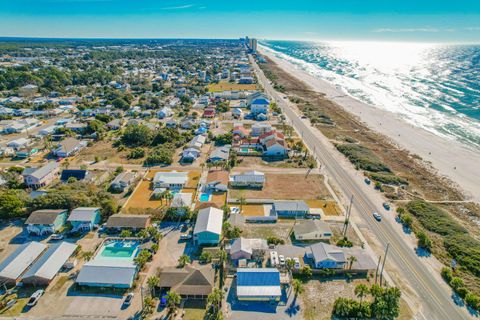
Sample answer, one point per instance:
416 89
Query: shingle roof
248 245
309 226
322 251
44 216
128 221
250 176
189 281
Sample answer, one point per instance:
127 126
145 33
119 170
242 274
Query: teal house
208 226
84 218
43 222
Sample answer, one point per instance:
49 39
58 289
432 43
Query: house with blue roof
258 103
258 284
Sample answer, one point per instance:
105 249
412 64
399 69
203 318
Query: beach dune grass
362 157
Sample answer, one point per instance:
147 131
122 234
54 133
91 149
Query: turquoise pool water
204 197
119 250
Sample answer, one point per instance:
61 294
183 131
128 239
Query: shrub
387 179
447 274
344 242
424 241
362 157
275 240
472 300
433 218
466 250
136 153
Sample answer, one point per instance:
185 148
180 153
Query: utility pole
347 218
376 271
383 264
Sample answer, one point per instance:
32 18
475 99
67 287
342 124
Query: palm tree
361 291
183 260
87 255
153 282
215 299
351 260
242 202
297 286
173 299
148 305
168 196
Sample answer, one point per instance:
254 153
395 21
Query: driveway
105 306
287 308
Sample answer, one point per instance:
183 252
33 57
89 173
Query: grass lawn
194 310
16 310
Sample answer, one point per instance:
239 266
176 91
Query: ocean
435 87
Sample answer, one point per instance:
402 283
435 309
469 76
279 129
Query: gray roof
128 221
16 263
181 200
251 176
107 272
41 172
125 177
288 205
309 226
189 281
248 245
82 214
209 219
322 251
68 145
50 262
44 216
221 152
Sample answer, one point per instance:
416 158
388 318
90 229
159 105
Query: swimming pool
118 249
204 197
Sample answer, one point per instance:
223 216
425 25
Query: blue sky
405 20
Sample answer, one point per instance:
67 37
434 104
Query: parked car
235 210
56 236
281 259
304 117
386 205
368 181
163 301
377 216
185 237
128 299
34 298
297 263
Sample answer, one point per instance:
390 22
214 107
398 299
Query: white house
19 143
208 226
68 147
42 176
308 230
250 179
170 180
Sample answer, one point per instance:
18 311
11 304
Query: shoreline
449 158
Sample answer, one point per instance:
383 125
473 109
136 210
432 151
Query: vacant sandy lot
141 197
287 187
226 86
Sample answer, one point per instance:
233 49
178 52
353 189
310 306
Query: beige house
308 230
40 177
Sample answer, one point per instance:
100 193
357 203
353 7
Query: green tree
351 260
456 283
424 241
153 282
126 233
361 291
183 260
173 299
206 257
297 286
473 301
306 271
215 299
137 136
12 203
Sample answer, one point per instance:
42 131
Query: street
436 301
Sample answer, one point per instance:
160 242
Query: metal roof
209 220
107 272
51 261
41 172
308 226
16 263
322 251
171 177
248 245
258 282
82 214
299 205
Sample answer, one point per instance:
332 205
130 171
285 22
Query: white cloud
185 6
473 29
393 30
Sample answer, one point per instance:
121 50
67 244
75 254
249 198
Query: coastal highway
435 300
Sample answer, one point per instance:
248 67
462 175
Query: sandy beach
451 159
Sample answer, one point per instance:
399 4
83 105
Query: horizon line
2 38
